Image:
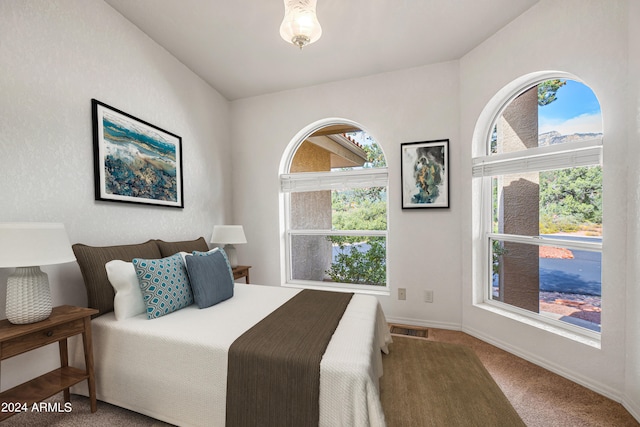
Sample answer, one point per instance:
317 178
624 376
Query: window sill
566 330
355 289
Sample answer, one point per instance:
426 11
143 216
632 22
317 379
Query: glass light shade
27 246
300 25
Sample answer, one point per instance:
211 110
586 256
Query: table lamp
229 235
27 246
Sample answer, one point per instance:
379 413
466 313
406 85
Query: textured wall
520 276
310 210
54 57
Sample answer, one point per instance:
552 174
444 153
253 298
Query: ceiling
235 45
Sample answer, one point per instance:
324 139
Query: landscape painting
425 174
135 161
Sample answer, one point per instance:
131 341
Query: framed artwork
135 161
425 174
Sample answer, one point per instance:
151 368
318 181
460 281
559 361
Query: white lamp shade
34 244
300 25
27 246
228 235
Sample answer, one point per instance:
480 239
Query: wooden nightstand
65 321
241 271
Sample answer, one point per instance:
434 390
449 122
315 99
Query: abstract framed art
425 174
135 161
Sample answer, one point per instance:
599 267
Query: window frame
486 166
319 181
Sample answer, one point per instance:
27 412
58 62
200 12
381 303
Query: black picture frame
135 161
425 174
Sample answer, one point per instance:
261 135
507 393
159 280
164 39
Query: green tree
360 266
570 198
360 209
375 156
547 91
360 259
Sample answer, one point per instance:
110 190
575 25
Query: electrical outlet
428 295
402 294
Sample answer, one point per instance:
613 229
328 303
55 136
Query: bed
174 367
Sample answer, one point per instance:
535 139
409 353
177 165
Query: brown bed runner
273 374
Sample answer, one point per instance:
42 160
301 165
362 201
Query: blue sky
576 110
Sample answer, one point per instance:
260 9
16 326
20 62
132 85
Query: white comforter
174 368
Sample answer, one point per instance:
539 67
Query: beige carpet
81 416
541 398
427 383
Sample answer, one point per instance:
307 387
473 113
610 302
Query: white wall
405 106
54 57
632 371
588 39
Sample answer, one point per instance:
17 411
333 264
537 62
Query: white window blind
337 232
561 156
337 180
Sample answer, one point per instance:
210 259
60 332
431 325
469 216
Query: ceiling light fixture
300 25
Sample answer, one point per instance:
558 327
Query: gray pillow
210 276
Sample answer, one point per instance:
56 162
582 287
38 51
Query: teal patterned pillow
164 284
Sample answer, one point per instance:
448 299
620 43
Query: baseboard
416 322
632 407
577 378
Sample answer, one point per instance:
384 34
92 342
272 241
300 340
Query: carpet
428 383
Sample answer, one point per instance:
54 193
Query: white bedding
174 368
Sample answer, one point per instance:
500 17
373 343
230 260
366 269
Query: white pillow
184 255
128 301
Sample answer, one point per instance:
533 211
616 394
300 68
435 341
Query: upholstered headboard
92 259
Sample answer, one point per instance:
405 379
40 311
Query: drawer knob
50 333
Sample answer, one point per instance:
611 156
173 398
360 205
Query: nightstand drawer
42 337
65 321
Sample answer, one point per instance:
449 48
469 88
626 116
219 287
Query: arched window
540 208
334 194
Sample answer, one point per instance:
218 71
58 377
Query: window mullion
546 241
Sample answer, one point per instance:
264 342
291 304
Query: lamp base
28 296
232 256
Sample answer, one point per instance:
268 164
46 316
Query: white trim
501 100
485 165
585 381
304 133
339 287
285 200
558 327
632 406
